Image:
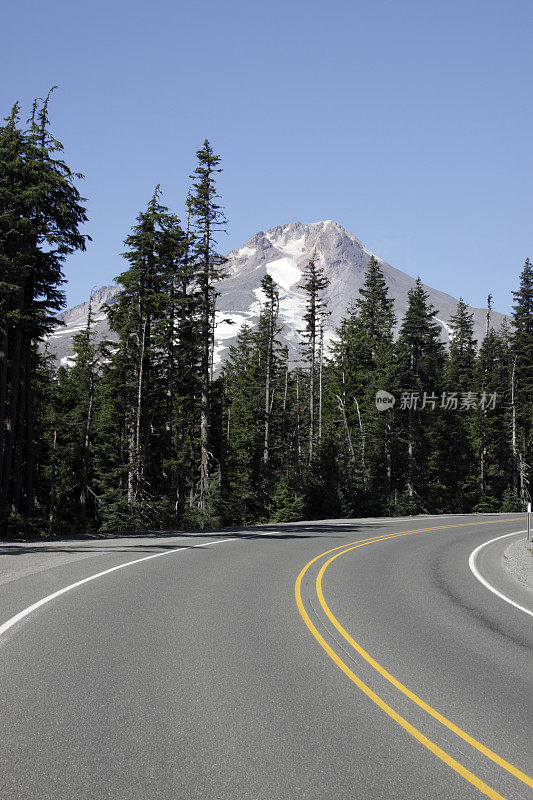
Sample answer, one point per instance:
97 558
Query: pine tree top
523 300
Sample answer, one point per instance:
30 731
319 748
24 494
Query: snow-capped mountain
59 343
283 253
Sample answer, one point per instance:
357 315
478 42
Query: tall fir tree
84 377
454 445
362 366
522 382
138 308
37 194
420 360
314 283
243 432
270 363
492 421
207 219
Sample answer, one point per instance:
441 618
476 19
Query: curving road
327 660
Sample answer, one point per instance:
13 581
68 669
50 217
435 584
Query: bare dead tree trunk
204 398
520 466
312 394
268 398
266 436
211 348
139 414
284 409
482 478
347 448
346 427
12 409
135 432
131 465
30 451
524 473
363 464
169 389
144 426
349 459
482 456
84 489
489 312
321 366
19 440
411 445
411 454
4 343
180 487
514 446
123 441
183 333
388 458
52 512
204 438
297 438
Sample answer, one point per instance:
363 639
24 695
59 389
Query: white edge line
44 600
24 613
489 586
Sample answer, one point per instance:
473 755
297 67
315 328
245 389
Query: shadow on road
338 530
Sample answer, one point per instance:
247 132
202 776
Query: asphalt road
239 670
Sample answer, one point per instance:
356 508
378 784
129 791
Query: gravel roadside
518 560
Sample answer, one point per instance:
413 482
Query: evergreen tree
110 441
420 365
362 366
460 368
138 308
373 344
269 363
243 431
374 320
492 422
175 342
83 378
454 445
314 283
207 219
256 425
40 216
522 381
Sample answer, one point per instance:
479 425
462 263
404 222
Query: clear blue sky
407 122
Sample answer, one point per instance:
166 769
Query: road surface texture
255 668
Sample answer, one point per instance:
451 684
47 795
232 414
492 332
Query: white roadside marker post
529 522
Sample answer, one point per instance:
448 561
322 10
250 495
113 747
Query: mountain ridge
283 252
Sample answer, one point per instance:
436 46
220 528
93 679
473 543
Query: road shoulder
518 561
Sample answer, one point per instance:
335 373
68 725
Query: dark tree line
142 432
40 214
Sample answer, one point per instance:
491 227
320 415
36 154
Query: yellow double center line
434 748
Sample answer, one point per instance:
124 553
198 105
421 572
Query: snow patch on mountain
283 253
291 309
246 252
71 330
446 327
292 248
255 308
284 272
227 326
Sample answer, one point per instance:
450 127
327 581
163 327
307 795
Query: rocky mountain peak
283 252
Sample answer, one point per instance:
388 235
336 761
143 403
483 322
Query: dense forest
143 433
